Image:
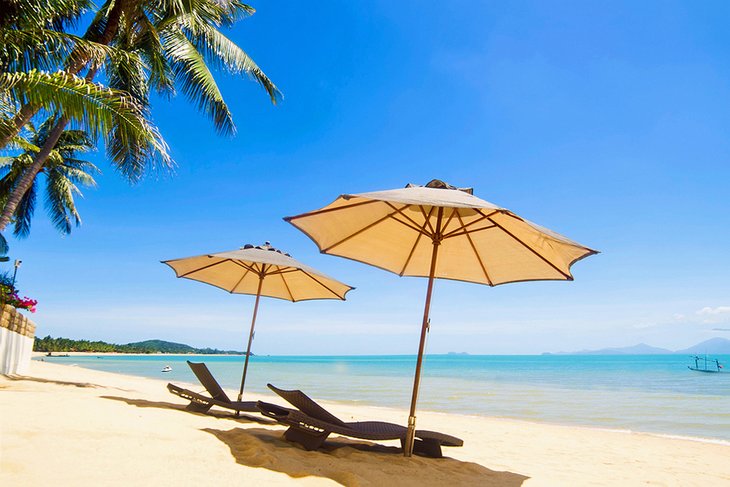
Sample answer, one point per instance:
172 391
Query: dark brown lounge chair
200 403
310 424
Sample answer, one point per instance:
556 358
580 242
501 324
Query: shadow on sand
142 403
51 381
354 463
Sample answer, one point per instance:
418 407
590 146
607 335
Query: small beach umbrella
260 271
438 231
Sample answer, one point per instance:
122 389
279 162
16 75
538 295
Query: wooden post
410 434
250 335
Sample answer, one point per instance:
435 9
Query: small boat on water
704 364
167 368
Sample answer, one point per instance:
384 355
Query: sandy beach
72 426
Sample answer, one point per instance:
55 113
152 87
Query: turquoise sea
650 393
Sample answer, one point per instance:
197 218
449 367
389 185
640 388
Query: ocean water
649 393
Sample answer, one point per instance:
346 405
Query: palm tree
33 45
64 172
177 40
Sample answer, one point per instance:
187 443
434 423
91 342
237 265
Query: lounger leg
310 441
427 448
197 407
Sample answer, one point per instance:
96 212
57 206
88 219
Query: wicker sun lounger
310 424
200 403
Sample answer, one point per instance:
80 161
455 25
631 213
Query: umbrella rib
543 258
418 229
286 270
476 253
414 224
239 281
427 218
327 210
367 227
321 283
467 232
413 249
281 274
248 267
484 217
454 211
204 267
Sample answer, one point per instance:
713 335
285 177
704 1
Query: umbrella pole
411 433
250 338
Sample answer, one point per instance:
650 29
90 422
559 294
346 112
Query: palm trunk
112 26
19 121
30 174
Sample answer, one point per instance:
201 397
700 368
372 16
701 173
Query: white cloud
718 314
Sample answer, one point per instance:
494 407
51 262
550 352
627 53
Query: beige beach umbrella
439 231
260 271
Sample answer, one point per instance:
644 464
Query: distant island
716 346
52 345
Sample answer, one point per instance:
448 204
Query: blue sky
604 121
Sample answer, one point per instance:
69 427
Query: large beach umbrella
439 231
260 271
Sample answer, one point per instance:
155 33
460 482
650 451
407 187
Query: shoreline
392 409
132 426
130 354
388 409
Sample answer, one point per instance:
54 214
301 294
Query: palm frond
135 146
226 55
149 47
235 11
78 176
46 49
60 203
63 172
196 81
75 141
101 111
57 14
20 142
24 212
167 13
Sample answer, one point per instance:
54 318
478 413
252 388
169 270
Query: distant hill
49 344
161 346
717 346
640 349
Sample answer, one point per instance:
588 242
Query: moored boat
704 364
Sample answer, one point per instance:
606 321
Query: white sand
69 426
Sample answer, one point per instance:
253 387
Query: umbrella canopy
261 271
439 231
241 271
